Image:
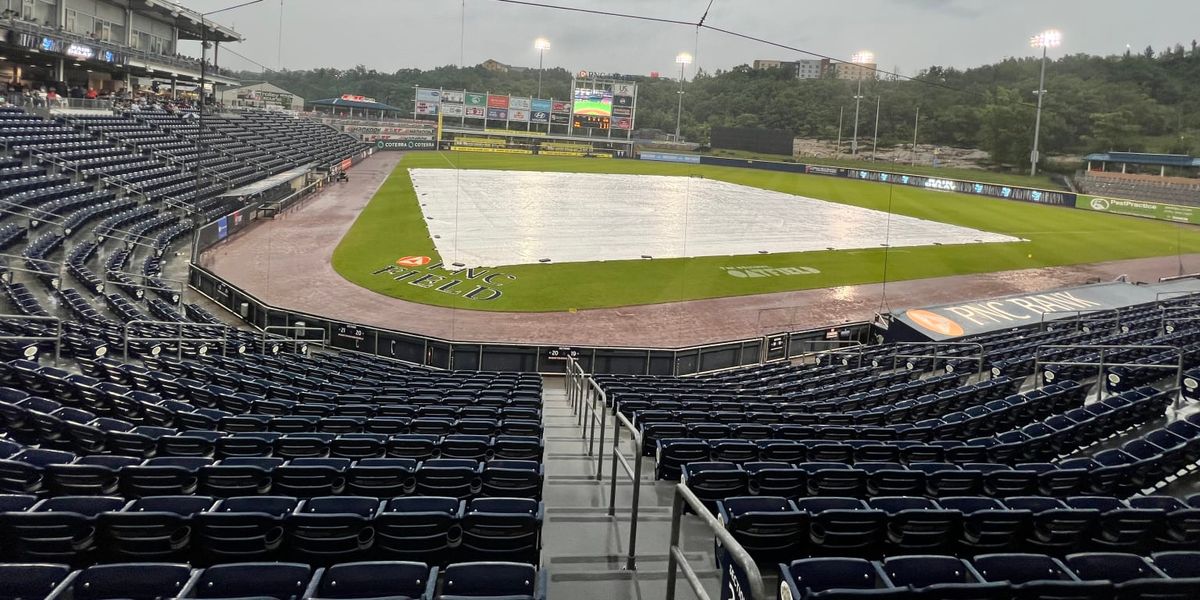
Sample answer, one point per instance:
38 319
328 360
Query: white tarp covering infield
496 218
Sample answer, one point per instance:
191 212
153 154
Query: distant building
803 69
261 95
499 67
855 71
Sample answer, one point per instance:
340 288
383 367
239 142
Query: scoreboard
591 122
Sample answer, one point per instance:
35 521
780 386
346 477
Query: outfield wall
1141 208
962 186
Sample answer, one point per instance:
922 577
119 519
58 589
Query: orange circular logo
935 322
413 261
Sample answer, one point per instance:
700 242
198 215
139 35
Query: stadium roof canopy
357 105
1145 158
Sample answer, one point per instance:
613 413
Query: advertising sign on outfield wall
1141 208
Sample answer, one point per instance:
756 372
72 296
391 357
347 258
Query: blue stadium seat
424 527
1037 576
1134 577
776 479
1178 564
381 477
459 478
310 477
238 476
369 580
837 579
844 526
1176 526
511 479
245 528
918 525
282 581
502 527
135 581
942 577
155 528
507 580
331 529
56 530
1056 528
770 528
29 581
988 525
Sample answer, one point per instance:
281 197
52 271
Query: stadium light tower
1051 38
854 141
683 59
862 57
541 45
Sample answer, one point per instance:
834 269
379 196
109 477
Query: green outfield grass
392 226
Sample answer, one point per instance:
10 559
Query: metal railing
266 334
176 291
978 359
58 276
634 473
1102 365
1081 318
56 338
677 560
179 339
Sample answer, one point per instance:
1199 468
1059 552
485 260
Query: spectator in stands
91 94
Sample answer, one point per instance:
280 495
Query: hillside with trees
1148 101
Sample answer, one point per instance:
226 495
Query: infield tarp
950 321
499 218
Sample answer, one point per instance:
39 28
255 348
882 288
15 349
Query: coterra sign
971 318
405 145
478 285
1141 208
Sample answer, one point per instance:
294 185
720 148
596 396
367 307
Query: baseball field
390 248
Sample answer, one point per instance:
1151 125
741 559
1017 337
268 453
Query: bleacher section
1170 190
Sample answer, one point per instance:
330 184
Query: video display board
593 102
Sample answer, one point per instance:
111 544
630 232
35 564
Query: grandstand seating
1171 190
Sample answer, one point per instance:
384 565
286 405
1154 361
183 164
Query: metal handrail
858 348
1102 366
145 286
635 475
266 333
61 267
1079 316
935 356
179 339
57 338
676 559
597 403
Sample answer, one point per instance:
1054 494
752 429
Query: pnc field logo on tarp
935 322
479 283
413 261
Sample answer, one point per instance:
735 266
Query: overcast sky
910 34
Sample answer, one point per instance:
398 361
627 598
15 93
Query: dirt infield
286 263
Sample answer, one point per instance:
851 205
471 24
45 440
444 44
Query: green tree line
1147 101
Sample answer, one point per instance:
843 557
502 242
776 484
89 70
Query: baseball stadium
486 331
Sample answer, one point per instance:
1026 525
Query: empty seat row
1084 576
395 580
774 529
82 530
51 473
